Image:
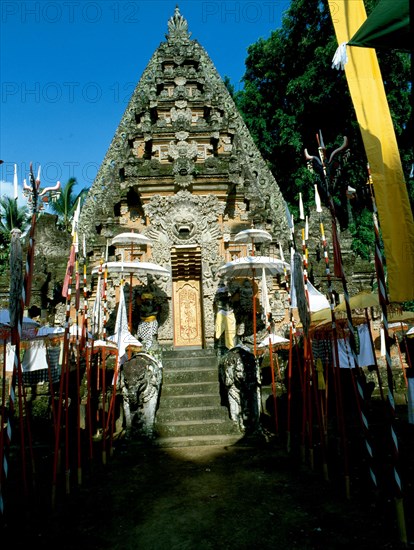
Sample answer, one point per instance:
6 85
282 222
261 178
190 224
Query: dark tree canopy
291 92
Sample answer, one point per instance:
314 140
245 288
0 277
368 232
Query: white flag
265 300
301 211
97 311
15 183
317 200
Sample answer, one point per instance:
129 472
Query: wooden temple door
187 296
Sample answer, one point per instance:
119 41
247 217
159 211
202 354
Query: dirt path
241 497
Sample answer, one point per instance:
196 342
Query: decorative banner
372 111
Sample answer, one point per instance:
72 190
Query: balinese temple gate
183 170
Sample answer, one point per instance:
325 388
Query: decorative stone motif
184 149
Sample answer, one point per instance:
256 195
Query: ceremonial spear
330 170
383 300
20 293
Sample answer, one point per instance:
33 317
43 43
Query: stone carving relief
182 149
240 387
177 27
181 115
141 379
184 218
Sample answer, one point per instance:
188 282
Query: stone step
189 388
177 376
192 413
188 363
189 358
181 428
188 353
198 441
184 401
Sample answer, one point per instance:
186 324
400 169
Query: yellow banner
373 115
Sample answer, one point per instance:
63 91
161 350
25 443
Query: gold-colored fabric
373 115
226 322
149 319
319 370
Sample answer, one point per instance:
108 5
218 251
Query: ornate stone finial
177 26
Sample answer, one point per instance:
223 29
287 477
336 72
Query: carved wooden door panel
187 314
187 295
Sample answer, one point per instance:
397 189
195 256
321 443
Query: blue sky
69 67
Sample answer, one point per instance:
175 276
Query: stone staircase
190 412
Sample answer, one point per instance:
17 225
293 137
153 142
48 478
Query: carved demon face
184 223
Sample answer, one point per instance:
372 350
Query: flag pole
335 367
19 298
383 300
327 178
66 293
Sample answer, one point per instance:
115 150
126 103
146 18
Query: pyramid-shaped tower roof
181 135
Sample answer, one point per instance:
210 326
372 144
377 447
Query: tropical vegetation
11 216
291 92
65 205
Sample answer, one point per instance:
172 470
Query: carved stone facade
183 170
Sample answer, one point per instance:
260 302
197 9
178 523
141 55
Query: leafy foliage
291 92
66 203
11 216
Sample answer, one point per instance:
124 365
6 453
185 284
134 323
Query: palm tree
66 203
12 216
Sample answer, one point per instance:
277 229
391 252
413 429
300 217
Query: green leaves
66 204
291 92
11 216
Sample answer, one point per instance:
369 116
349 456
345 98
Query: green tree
11 216
64 206
291 92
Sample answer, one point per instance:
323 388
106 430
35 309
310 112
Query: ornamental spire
177 27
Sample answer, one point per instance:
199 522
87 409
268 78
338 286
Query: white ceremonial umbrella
138 268
29 326
253 236
273 340
5 319
133 239
50 331
249 266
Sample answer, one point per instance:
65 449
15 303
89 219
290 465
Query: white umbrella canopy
5 319
273 339
50 331
74 330
253 236
29 326
105 344
139 268
131 238
250 266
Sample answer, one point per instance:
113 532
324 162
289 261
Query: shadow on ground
249 495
